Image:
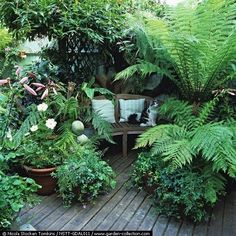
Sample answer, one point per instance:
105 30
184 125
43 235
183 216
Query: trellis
80 56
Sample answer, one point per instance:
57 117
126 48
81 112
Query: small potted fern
84 176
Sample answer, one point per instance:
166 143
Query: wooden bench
124 128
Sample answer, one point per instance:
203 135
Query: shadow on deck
126 208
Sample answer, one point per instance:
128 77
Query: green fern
67 139
65 108
197 40
103 128
193 137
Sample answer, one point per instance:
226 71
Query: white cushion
105 109
129 107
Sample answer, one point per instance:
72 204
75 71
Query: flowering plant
38 146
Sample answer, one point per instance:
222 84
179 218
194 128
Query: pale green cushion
105 109
129 107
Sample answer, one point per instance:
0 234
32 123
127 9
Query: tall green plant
198 40
193 137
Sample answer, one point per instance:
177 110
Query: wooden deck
126 208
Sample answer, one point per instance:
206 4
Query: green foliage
98 20
65 108
198 40
32 119
84 176
192 137
102 126
190 191
6 38
15 192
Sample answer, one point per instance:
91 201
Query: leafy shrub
84 176
188 191
15 192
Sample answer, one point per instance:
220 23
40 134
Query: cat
148 116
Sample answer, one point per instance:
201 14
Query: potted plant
84 176
40 155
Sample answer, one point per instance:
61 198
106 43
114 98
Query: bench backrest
116 98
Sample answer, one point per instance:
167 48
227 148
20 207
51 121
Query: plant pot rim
39 170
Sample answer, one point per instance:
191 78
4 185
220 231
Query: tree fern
198 40
194 137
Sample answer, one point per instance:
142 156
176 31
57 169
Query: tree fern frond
198 40
178 111
215 143
206 112
179 153
152 135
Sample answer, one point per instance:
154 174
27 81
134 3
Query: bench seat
124 128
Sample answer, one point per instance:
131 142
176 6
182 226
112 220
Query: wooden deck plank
45 212
65 218
26 209
85 216
201 229
160 225
117 211
140 214
32 213
216 221
124 219
173 227
63 221
126 209
100 216
78 221
229 227
46 222
186 228
149 219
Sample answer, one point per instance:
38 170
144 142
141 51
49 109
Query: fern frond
102 126
179 153
207 111
151 136
178 111
66 108
215 143
67 138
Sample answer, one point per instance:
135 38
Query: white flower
9 135
34 128
51 123
42 107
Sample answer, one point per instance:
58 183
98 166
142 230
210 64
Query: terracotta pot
43 177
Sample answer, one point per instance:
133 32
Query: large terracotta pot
43 177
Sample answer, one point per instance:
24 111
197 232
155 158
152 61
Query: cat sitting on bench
148 116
